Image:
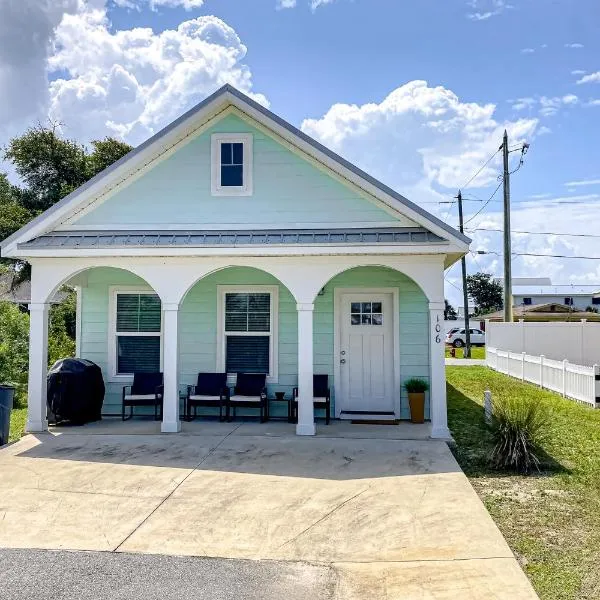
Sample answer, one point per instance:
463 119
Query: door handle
342 361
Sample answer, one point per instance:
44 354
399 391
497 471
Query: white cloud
286 4
578 72
523 103
314 4
419 138
543 130
582 182
27 32
130 83
155 4
547 105
550 106
593 102
527 51
486 9
574 45
591 78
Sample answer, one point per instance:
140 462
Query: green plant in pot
415 388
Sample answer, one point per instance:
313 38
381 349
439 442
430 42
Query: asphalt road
61 575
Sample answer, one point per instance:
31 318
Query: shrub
416 385
518 428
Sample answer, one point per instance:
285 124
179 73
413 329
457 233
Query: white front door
366 354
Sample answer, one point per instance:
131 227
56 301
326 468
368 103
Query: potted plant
416 388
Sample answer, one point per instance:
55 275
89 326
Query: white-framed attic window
231 164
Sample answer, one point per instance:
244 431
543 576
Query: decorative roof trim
234 238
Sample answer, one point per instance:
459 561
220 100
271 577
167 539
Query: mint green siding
198 324
287 190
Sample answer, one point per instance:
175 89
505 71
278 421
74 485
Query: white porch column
306 413
171 422
38 367
437 371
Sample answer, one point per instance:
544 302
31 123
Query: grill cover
75 391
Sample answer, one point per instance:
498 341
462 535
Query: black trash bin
7 394
75 392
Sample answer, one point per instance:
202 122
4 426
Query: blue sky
352 73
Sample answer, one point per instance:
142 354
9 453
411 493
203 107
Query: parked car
458 337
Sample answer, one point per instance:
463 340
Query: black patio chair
249 392
210 391
321 397
146 390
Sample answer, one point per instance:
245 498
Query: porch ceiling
232 238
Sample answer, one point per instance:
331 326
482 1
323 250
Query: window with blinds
137 333
248 332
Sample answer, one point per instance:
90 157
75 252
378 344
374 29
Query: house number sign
438 330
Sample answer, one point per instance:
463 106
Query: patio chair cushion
211 384
142 397
146 383
216 397
250 384
243 398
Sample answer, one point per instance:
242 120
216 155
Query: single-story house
232 242
551 311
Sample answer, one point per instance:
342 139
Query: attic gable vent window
231 169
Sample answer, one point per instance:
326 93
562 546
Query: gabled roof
145 153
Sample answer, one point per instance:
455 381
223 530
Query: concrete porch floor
212 427
387 518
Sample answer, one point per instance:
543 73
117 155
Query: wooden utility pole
508 309
463 262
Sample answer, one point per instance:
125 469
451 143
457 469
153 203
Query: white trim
153 227
338 292
78 314
246 139
273 290
113 290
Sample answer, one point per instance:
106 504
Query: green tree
450 313
14 350
13 215
50 167
485 292
105 152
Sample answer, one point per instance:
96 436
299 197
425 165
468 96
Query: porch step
363 416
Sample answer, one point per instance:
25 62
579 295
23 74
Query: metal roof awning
264 237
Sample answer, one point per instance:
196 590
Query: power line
485 164
535 254
485 204
589 235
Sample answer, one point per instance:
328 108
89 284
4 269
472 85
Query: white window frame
273 290
232 138
112 329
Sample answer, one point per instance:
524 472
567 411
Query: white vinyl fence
579 382
578 342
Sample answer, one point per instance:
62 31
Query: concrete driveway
389 518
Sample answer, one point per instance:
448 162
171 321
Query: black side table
280 397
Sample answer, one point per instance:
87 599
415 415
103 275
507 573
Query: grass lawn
476 352
550 520
18 417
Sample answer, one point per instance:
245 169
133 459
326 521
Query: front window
596 300
137 326
231 168
527 301
247 336
569 301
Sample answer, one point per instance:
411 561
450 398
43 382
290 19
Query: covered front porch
367 322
